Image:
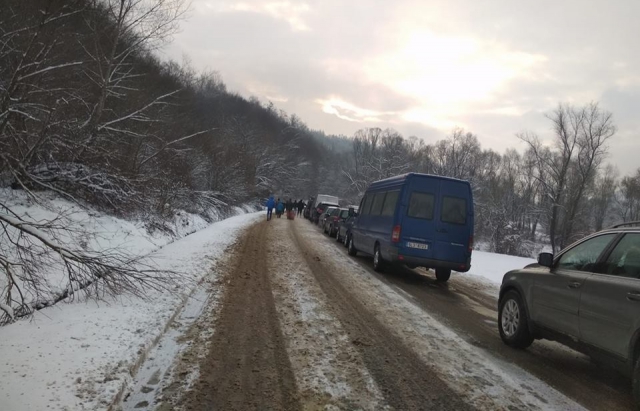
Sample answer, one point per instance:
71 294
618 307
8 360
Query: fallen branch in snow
88 274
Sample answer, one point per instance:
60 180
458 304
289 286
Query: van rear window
390 203
454 210
421 205
367 204
378 200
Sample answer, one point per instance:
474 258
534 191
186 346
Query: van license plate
418 245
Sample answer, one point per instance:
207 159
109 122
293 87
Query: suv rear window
584 256
344 213
454 210
421 205
624 261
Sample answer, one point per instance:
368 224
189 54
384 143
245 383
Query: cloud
492 67
291 12
342 109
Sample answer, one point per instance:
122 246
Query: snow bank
88 230
78 356
494 266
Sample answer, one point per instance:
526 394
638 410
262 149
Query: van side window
390 203
378 201
367 204
454 210
421 205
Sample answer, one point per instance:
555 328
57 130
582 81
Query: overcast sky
493 67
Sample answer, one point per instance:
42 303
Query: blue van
418 220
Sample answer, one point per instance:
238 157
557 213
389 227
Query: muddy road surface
247 367
303 326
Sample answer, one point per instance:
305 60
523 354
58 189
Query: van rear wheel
443 274
378 262
351 248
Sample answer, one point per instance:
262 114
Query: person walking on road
279 208
300 207
271 204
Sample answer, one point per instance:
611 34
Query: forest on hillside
90 112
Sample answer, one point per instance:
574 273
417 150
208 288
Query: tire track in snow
474 375
328 368
407 382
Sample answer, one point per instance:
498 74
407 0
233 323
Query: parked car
586 297
418 220
321 205
344 227
325 214
331 222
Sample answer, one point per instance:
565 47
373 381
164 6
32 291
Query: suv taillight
395 234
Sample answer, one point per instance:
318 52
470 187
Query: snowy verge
491 267
82 230
80 356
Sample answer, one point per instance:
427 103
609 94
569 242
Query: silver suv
586 297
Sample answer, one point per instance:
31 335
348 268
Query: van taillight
470 244
395 234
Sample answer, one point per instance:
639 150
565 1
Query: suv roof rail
628 223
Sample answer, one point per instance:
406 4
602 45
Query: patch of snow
493 266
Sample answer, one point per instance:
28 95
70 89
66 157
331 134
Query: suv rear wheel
513 321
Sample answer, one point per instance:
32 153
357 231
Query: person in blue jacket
271 204
279 208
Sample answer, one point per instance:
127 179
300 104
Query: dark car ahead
307 212
325 214
586 297
319 212
344 227
331 222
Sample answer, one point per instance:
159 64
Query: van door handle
633 296
574 284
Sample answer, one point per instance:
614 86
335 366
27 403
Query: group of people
280 207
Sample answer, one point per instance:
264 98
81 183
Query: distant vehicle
323 217
320 205
344 227
331 223
416 219
309 206
586 297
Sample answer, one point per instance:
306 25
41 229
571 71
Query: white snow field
494 266
78 356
